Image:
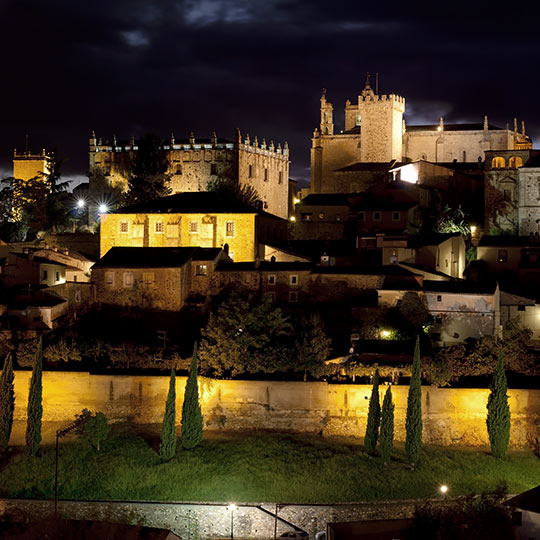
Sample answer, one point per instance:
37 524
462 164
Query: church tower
380 119
327 113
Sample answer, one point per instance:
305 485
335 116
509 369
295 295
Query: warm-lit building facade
195 162
191 219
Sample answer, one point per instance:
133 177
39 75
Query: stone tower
380 119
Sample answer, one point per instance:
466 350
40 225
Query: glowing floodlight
80 203
444 489
103 208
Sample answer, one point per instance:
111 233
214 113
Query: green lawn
258 467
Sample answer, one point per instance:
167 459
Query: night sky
132 66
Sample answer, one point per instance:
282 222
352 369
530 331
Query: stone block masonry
451 416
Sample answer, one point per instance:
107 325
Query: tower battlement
394 98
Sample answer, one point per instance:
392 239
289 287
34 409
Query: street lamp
80 203
103 208
232 507
443 489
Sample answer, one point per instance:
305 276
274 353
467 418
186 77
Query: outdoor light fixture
292 218
385 334
296 200
103 208
80 203
473 229
443 489
232 507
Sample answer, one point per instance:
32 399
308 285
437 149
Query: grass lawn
257 467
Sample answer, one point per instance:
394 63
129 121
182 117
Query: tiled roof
452 127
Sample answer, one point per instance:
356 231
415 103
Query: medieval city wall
451 416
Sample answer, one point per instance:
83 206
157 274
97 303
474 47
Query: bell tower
327 115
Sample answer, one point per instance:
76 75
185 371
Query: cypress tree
498 416
374 417
167 446
192 421
413 423
7 402
386 439
35 407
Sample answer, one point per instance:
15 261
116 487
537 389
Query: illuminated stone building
375 137
27 165
194 162
202 219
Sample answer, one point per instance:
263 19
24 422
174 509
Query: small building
28 269
527 516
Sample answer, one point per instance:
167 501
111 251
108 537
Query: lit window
306 216
160 227
338 217
321 215
293 280
229 229
503 255
498 163
272 279
201 270
193 227
123 226
128 279
377 216
293 297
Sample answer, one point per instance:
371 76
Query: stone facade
528 206
27 165
193 163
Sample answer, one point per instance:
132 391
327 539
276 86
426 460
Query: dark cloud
127 67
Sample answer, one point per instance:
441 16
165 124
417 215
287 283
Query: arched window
515 162
498 163
358 120
326 130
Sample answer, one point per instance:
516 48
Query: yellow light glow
443 489
473 229
385 333
292 218
296 200
409 174
232 507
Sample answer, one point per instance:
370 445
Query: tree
498 416
167 446
409 315
227 184
192 420
93 428
312 346
245 335
148 177
7 402
386 438
374 417
413 422
35 407
62 352
452 220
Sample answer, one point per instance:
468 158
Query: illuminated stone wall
451 416
142 230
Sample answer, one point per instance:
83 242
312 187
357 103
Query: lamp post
232 507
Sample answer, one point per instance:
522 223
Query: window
507 194
293 297
250 171
45 275
338 217
280 177
498 163
361 216
201 270
229 229
293 280
377 216
213 168
178 169
128 279
272 279
503 255
446 263
439 298
57 277
358 120
138 230
521 308
160 227
123 226
306 216
265 174
148 279
515 162
396 216
272 296
193 227
321 215
109 278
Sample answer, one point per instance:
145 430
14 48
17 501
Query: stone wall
451 416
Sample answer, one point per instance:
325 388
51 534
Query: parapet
384 97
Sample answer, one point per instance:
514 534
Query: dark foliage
498 416
386 438
7 402
35 407
192 420
413 422
374 417
167 446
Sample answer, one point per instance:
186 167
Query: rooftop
504 240
265 266
154 257
459 287
196 202
453 127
